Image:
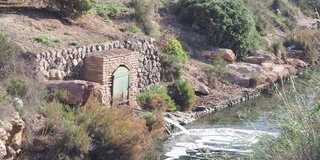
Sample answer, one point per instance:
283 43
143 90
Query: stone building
116 71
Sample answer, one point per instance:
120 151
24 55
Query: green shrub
279 49
298 118
171 68
17 87
72 9
133 28
108 10
184 95
142 13
228 23
117 133
74 43
156 98
46 40
307 41
174 47
216 71
7 50
261 25
57 95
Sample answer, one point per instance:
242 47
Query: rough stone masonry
140 57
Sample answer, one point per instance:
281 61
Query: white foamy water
214 142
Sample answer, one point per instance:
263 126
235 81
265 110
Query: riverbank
237 94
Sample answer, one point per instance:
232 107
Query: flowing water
229 133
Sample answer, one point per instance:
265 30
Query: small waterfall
184 130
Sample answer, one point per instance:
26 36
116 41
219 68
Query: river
229 133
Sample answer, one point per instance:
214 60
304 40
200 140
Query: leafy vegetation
71 9
228 23
156 98
142 13
172 58
17 87
7 50
46 40
215 72
299 118
184 95
307 41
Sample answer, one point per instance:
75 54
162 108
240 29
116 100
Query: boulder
225 54
260 56
296 54
200 108
3 150
297 63
3 134
200 88
78 90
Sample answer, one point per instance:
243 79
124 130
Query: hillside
212 54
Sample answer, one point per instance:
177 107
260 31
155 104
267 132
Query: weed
215 72
74 43
8 50
67 33
17 87
44 39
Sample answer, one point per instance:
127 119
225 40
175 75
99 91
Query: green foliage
298 118
174 47
74 43
108 10
184 95
142 13
156 98
261 25
72 9
133 28
17 87
307 41
308 7
279 49
216 71
57 95
171 69
228 23
7 50
46 40
63 134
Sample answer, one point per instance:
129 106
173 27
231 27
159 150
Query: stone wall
67 64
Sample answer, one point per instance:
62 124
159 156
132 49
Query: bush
307 41
110 9
71 8
7 50
228 23
174 47
184 95
216 71
142 13
156 98
172 58
17 87
117 133
298 117
171 69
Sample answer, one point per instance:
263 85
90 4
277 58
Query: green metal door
120 86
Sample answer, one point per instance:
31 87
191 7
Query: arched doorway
120 86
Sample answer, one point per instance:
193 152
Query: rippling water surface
226 134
